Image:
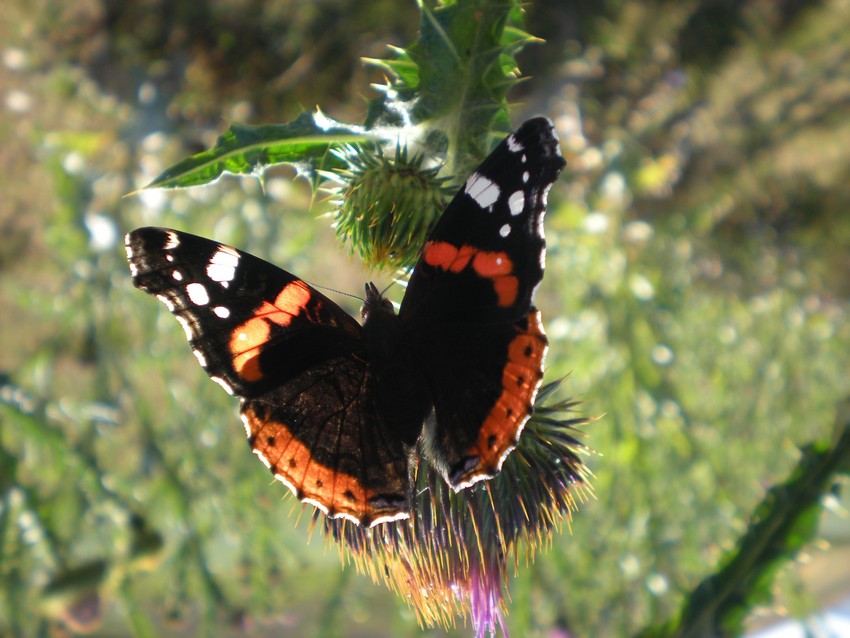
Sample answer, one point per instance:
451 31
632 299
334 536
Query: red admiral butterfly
337 410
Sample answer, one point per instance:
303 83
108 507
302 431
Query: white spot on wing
224 384
283 479
484 191
186 327
168 303
544 196
349 517
134 270
514 145
198 295
177 275
172 241
222 266
398 516
200 357
505 230
313 502
222 312
263 459
516 202
525 177
246 424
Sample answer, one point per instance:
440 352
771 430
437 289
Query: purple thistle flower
486 599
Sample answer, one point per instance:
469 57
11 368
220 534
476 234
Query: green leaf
782 524
403 71
456 76
248 150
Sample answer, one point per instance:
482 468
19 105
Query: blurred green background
696 293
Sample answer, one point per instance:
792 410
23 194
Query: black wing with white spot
296 360
240 313
468 312
487 252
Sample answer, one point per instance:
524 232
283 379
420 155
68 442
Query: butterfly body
338 410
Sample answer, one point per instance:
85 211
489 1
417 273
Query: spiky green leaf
461 65
248 150
782 524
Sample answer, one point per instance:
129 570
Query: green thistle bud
387 206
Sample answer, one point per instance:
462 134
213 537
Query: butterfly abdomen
396 382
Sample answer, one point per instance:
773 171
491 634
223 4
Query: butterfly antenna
338 292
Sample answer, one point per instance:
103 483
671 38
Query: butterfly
338 410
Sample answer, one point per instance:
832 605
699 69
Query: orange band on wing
335 493
447 256
246 340
492 265
521 379
291 301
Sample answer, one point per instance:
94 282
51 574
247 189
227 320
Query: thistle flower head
485 600
452 556
386 205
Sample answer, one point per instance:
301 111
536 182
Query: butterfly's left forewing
234 307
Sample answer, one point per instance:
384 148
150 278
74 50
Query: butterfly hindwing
322 436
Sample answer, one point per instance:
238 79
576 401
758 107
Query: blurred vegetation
696 292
